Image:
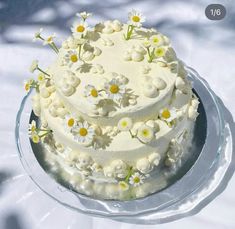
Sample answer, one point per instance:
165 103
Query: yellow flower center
136 179
49 39
145 132
74 58
80 28
124 123
155 40
40 77
114 88
83 132
35 139
136 18
27 87
166 114
159 52
123 185
94 92
33 128
70 122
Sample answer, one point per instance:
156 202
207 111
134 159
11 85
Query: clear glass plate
182 197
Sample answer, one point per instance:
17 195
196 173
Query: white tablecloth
208 46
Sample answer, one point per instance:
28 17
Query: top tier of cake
115 78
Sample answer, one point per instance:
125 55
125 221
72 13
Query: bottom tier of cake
123 182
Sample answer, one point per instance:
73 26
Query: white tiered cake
115 107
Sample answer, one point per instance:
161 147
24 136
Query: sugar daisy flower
136 179
167 114
83 133
28 84
135 18
33 66
114 89
145 133
92 93
72 58
156 40
84 15
125 124
69 122
41 77
49 39
32 127
37 35
123 185
159 52
79 29
35 138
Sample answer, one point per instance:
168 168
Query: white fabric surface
208 46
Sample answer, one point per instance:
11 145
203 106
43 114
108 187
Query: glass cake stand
185 195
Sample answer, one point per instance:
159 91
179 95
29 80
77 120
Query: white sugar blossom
49 39
79 29
119 168
156 40
114 89
146 43
145 133
125 124
37 35
135 18
83 161
109 171
167 114
33 66
143 165
136 179
83 133
84 15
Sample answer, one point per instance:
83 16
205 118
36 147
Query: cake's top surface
108 76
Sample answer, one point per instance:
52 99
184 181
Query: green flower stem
132 135
130 172
150 54
135 136
54 47
130 29
39 69
35 85
47 132
162 62
41 38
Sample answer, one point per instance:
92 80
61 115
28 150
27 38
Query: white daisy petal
83 133
168 114
135 18
79 29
